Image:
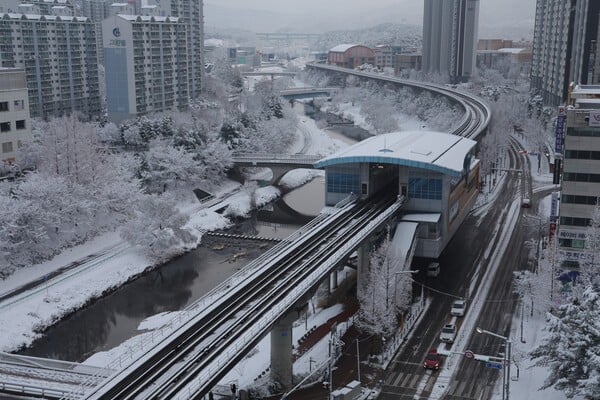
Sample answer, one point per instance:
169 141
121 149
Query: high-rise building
580 186
146 65
450 37
97 11
15 125
58 54
191 13
564 47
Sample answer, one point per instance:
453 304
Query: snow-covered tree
571 351
158 227
378 312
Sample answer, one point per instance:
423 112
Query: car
433 359
458 308
526 203
448 333
433 270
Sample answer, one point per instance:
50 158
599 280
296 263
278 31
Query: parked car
448 333
433 359
458 308
433 269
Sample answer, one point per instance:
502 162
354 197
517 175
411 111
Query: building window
3 105
588 200
19 105
573 221
20 124
5 127
423 188
7 147
572 243
581 177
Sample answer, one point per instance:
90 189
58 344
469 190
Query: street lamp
506 372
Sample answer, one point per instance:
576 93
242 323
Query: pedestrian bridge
307 93
278 164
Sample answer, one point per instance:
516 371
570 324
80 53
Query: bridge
192 353
272 74
307 93
279 165
287 36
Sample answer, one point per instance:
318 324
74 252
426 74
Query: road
406 378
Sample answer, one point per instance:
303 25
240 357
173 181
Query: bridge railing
249 157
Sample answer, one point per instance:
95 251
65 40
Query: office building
15 125
580 187
564 47
58 54
146 65
450 38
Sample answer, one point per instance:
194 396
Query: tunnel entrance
383 177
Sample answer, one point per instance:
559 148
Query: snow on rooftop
341 48
404 236
422 217
512 50
436 151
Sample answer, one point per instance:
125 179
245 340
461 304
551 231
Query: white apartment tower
146 65
97 11
58 54
191 14
15 125
450 37
564 47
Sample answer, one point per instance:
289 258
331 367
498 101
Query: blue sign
493 365
116 32
560 134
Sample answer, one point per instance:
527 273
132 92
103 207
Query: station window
424 188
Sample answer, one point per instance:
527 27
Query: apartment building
450 37
146 65
15 124
97 11
580 188
191 14
564 47
58 54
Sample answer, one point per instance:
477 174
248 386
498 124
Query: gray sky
496 16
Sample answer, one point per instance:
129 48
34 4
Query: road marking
406 379
397 380
461 387
414 381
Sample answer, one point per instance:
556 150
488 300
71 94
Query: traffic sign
493 365
469 354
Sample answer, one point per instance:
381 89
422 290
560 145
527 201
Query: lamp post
506 372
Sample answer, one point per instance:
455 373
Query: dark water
113 319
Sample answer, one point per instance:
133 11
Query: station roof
434 151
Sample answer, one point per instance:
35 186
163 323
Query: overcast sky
499 16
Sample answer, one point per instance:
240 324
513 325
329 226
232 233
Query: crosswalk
405 385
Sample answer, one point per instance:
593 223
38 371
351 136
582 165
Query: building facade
58 54
350 56
146 65
97 11
564 47
191 15
15 124
580 187
385 55
450 37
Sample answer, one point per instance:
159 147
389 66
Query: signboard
594 119
554 207
493 365
567 234
561 121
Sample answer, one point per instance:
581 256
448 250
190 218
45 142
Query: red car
432 360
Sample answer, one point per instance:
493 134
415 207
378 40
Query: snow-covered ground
117 263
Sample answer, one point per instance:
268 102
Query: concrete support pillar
333 280
362 267
281 351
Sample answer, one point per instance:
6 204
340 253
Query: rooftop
341 48
434 151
